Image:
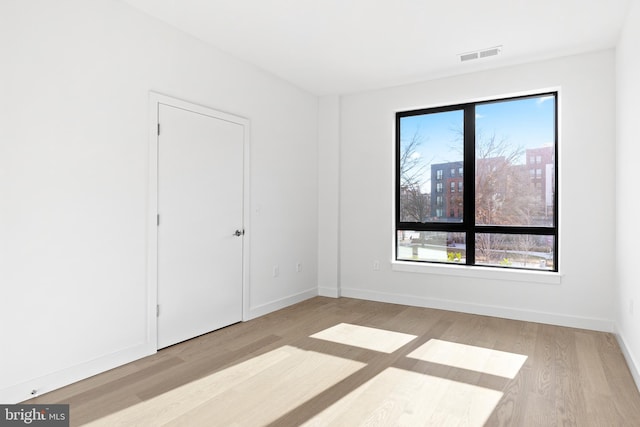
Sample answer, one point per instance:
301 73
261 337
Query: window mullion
469 181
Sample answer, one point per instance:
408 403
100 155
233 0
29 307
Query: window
500 219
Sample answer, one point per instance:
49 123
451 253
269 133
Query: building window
500 219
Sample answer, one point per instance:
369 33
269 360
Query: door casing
156 99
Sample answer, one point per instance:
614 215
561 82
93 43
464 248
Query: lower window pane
431 246
515 250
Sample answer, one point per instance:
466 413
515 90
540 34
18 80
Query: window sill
531 276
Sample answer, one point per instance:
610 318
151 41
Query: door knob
238 233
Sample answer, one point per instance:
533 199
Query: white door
200 231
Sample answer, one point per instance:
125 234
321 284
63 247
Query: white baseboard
631 361
269 307
23 391
595 324
328 292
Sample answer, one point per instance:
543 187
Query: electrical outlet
298 267
376 265
276 271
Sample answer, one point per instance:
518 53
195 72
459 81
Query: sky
525 122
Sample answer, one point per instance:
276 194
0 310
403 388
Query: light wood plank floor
347 362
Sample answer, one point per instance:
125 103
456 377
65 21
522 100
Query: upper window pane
507 134
431 151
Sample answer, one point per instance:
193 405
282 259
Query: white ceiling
343 46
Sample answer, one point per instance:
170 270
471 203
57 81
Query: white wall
628 197
585 296
328 195
75 78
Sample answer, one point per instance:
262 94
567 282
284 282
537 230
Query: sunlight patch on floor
364 337
479 359
255 392
397 397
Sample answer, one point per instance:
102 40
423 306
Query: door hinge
158 220
158 128
158 310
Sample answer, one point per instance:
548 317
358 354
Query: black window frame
467 225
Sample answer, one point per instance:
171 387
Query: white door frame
155 99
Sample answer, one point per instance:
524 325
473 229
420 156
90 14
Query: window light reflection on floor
399 397
254 392
479 359
365 337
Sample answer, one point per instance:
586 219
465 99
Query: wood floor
347 362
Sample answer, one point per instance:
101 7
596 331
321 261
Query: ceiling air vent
468 56
484 53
